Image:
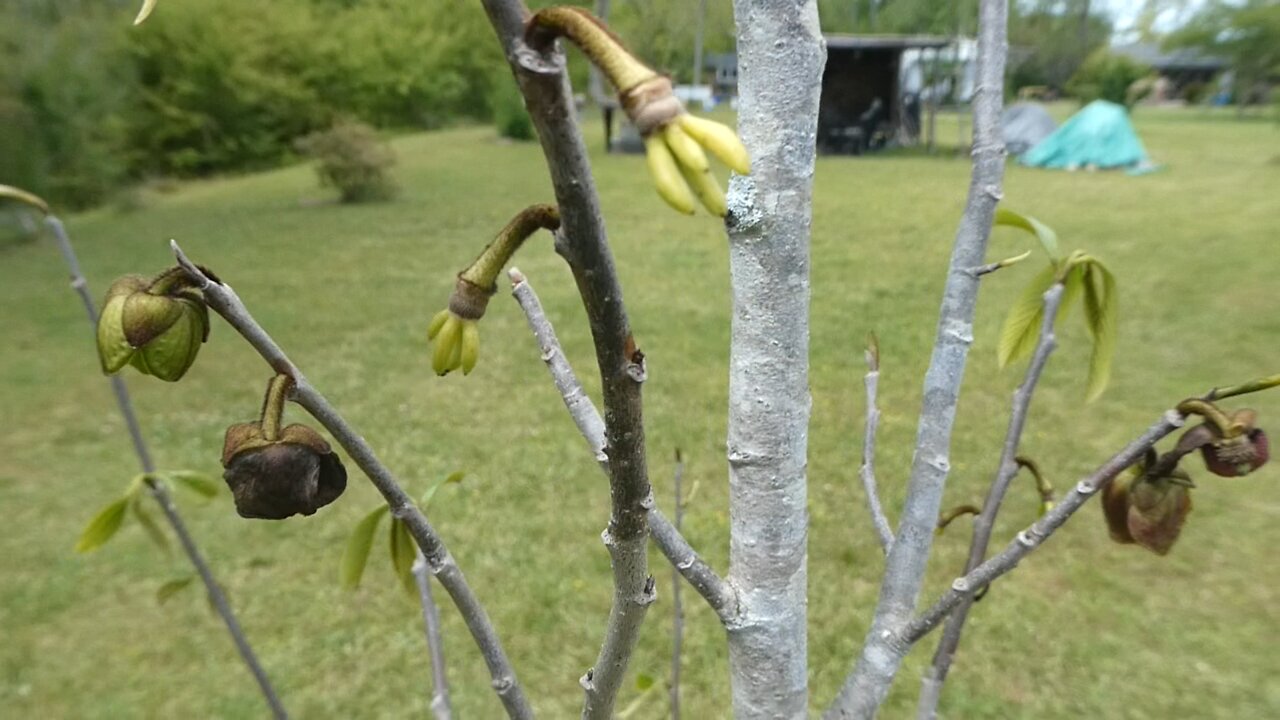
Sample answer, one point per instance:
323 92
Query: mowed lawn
1084 628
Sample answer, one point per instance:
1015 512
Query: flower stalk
455 330
674 140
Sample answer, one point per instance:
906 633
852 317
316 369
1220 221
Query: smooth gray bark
441 706
867 685
781 55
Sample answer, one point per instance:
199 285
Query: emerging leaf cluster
1083 277
108 521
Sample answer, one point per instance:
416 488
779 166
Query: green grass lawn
1084 628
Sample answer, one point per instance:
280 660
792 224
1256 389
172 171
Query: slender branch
584 243
1006 470
718 593
677 609
158 491
868 471
1244 388
1033 536
950 516
865 688
999 264
440 705
224 301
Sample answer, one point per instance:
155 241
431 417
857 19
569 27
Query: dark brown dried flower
296 473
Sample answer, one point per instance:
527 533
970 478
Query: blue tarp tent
1099 136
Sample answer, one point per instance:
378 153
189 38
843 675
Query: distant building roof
1181 59
885 42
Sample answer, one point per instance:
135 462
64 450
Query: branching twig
1034 535
224 301
868 471
866 687
677 609
440 705
583 242
693 568
931 688
158 489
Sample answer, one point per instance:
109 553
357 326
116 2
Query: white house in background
916 64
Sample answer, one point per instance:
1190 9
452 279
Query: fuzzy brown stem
273 406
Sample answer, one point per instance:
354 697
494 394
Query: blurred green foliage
210 86
1106 76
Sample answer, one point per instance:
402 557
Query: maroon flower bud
1230 445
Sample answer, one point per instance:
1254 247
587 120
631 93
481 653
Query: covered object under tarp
1024 125
1099 136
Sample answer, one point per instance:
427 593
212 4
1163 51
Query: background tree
1247 34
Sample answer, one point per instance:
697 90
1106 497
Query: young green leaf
1102 316
453 479
173 587
403 554
149 524
1045 234
644 681
1018 336
1072 287
103 526
356 555
198 483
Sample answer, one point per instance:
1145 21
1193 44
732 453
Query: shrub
350 158
509 113
1107 77
1196 92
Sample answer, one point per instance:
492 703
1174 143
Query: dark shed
862 104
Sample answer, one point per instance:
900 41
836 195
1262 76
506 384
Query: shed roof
1185 58
885 42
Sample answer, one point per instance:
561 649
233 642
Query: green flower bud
156 326
454 330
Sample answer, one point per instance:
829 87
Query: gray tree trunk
780 58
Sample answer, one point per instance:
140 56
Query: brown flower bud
1158 508
1145 510
296 473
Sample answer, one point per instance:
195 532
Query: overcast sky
1123 12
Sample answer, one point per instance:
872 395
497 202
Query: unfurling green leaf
1018 336
644 681
173 587
1045 234
356 556
103 526
198 483
1102 316
403 553
453 479
149 524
